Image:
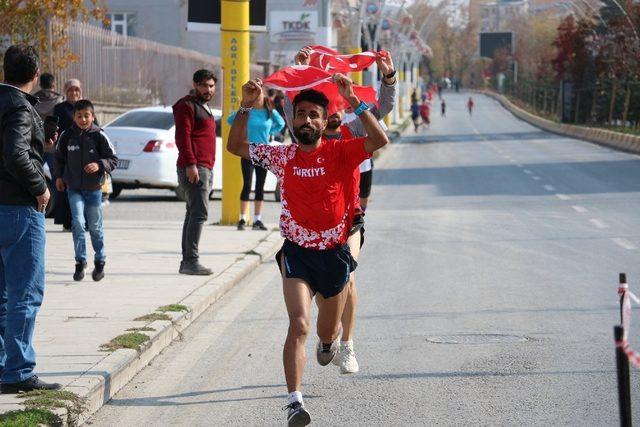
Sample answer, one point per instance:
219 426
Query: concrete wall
617 140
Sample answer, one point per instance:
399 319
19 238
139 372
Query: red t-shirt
316 188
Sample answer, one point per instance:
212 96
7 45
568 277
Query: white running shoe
346 360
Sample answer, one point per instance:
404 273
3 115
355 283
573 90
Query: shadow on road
508 136
610 176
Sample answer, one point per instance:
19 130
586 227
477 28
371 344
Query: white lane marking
580 209
563 196
527 171
550 188
624 243
598 223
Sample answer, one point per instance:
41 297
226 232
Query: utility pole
235 69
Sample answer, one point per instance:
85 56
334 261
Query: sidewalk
141 276
77 318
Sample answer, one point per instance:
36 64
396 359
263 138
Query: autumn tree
43 23
573 47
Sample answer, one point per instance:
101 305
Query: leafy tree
573 50
42 23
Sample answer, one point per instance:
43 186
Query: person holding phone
196 142
23 199
48 98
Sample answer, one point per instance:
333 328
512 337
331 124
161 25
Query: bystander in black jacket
21 147
77 148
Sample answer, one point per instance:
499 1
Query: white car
144 139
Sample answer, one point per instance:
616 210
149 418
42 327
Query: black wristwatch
390 75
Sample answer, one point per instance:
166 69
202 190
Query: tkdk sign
293 27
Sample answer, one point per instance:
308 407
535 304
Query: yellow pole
356 76
235 68
401 87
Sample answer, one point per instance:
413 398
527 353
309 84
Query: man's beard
203 97
331 125
307 138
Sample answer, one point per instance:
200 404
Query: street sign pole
235 69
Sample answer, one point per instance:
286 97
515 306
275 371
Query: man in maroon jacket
196 141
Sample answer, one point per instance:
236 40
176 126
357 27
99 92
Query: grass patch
30 417
131 340
44 400
152 317
173 307
143 329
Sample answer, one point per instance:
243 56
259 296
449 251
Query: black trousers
247 177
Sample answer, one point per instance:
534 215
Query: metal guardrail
610 103
132 71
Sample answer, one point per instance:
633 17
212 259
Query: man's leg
329 314
182 182
4 241
297 298
24 279
349 314
198 208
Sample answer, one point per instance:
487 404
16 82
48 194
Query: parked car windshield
145 119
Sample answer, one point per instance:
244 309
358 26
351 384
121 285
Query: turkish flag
299 77
328 59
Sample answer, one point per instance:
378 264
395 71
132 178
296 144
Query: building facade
291 24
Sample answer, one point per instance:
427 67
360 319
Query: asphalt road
487 295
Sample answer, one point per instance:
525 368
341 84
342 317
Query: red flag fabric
336 101
329 60
295 78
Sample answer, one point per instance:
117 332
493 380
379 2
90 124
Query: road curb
616 140
100 383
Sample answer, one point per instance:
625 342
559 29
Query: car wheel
277 193
117 189
48 213
180 193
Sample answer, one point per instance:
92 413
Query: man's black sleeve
17 128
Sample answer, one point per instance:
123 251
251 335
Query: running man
316 178
425 111
346 357
470 105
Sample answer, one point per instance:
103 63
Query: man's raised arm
237 142
376 137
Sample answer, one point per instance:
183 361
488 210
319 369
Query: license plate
123 164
